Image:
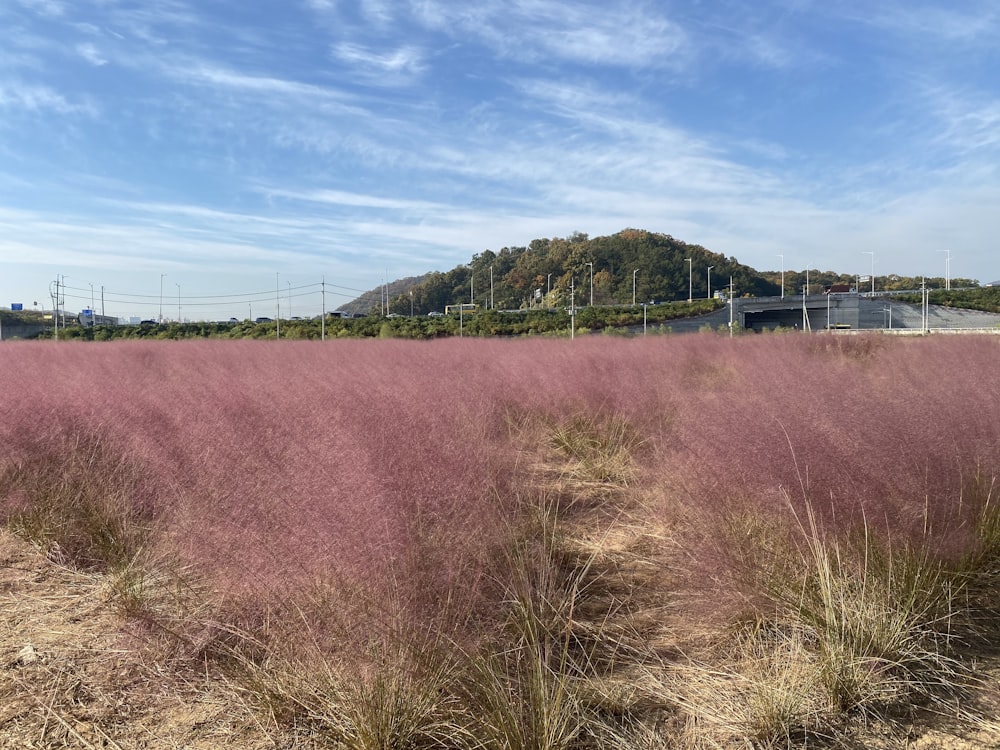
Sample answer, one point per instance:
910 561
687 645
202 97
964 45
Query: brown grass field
668 542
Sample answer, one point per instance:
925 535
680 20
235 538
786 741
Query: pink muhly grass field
275 463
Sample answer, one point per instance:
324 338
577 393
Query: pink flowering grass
273 464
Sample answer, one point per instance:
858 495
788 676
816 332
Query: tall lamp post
572 308
871 253
708 294
947 269
591 283
690 280
782 276
178 302
633 286
161 298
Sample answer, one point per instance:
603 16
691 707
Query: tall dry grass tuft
398 694
882 617
77 499
559 670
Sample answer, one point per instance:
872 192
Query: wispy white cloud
357 200
38 98
322 6
381 67
380 12
45 7
970 120
91 54
974 22
193 71
623 34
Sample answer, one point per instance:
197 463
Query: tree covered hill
649 265
546 273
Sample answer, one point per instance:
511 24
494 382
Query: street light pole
782 276
690 278
708 294
572 308
178 302
161 298
633 286
731 303
492 306
871 253
947 269
591 283
923 305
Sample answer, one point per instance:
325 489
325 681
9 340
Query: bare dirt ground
72 676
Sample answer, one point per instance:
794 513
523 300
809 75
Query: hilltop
631 265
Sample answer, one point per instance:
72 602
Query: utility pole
731 304
924 312
690 280
572 308
161 298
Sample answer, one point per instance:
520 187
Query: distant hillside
633 264
375 299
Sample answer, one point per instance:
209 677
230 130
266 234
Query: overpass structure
810 312
853 311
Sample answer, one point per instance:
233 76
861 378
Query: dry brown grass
74 676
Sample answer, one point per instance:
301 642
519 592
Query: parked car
435 314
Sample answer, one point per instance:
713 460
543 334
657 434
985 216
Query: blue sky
244 148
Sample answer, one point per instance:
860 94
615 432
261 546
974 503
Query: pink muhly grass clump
283 462
887 426
388 464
